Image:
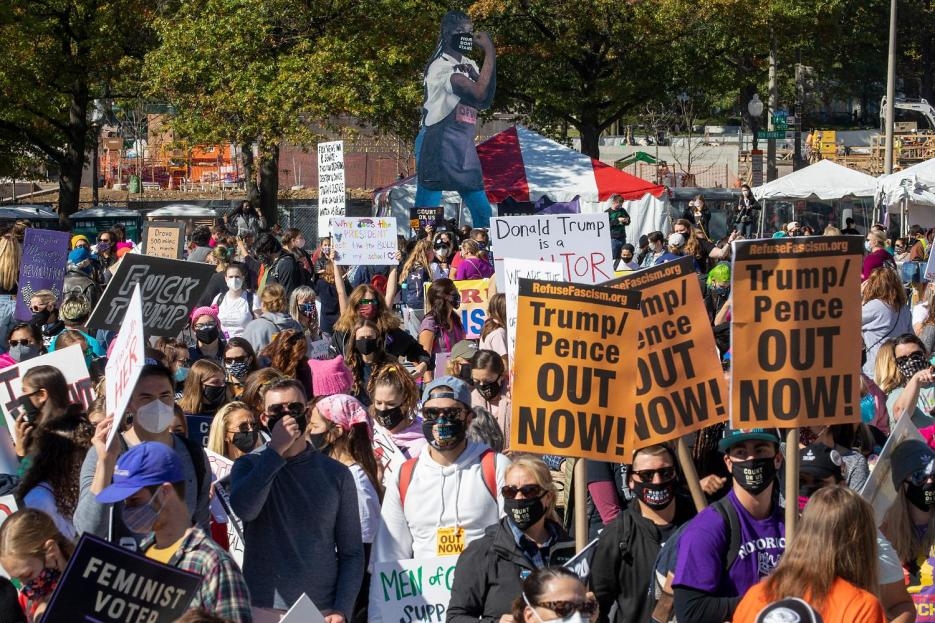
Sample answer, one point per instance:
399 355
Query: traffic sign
763 135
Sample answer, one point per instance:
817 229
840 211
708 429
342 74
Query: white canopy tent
824 180
911 193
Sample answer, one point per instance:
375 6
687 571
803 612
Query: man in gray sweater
299 510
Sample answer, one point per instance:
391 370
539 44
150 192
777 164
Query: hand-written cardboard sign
331 191
170 290
165 240
579 242
364 241
513 269
420 217
220 504
412 590
45 258
320 349
69 361
680 386
103 582
796 304
126 361
388 454
879 490
575 343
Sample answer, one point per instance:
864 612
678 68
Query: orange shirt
845 604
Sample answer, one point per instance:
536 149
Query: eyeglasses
240 359
647 475
21 342
367 302
564 609
919 476
529 491
201 327
431 414
286 408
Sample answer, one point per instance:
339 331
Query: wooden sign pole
792 481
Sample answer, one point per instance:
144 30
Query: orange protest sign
680 385
796 306
572 346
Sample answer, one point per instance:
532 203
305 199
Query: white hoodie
438 497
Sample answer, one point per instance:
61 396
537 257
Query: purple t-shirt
703 546
444 340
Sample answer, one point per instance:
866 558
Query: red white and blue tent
525 166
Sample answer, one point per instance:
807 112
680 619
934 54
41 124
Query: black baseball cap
820 461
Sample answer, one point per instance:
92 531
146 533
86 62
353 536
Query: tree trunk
72 162
69 188
269 183
249 174
590 137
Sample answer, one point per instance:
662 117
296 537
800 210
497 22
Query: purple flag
45 257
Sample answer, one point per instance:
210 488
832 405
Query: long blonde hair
25 533
836 538
543 477
421 254
218 432
11 253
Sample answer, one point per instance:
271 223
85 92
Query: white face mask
234 283
574 617
155 417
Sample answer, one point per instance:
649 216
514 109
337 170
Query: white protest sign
319 349
331 192
69 361
364 241
8 506
125 363
512 270
220 469
412 590
387 452
879 490
303 611
579 242
930 268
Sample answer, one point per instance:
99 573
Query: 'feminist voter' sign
331 192
104 582
170 289
45 256
576 343
795 361
679 383
579 242
412 590
364 241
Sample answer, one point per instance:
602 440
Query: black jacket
490 574
398 343
622 569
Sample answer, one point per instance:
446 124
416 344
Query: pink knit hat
204 310
345 411
330 376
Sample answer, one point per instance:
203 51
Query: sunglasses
286 408
647 475
200 327
433 413
21 342
244 428
37 308
529 491
240 359
367 302
919 476
564 609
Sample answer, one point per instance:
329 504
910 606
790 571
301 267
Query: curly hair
255 386
286 350
884 284
354 360
395 375
386 320
59 450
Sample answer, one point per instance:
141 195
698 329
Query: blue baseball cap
148 464
459 390
733 436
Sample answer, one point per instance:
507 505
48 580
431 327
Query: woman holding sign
491 569
441 327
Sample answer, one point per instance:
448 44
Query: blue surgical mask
181 373
140 519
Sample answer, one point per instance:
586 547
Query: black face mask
524 513
213 395
366 345
389 418
462 41
207 336
40 318
30 410
451 432
301 420
655 496
488 391
922 497
320 442
755 475
245 440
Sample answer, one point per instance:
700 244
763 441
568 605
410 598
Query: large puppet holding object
455 89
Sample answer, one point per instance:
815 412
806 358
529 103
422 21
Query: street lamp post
755 108
98 116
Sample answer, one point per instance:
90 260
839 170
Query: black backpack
413 294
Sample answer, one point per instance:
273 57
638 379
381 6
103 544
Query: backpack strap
198 461
405 477
728 513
